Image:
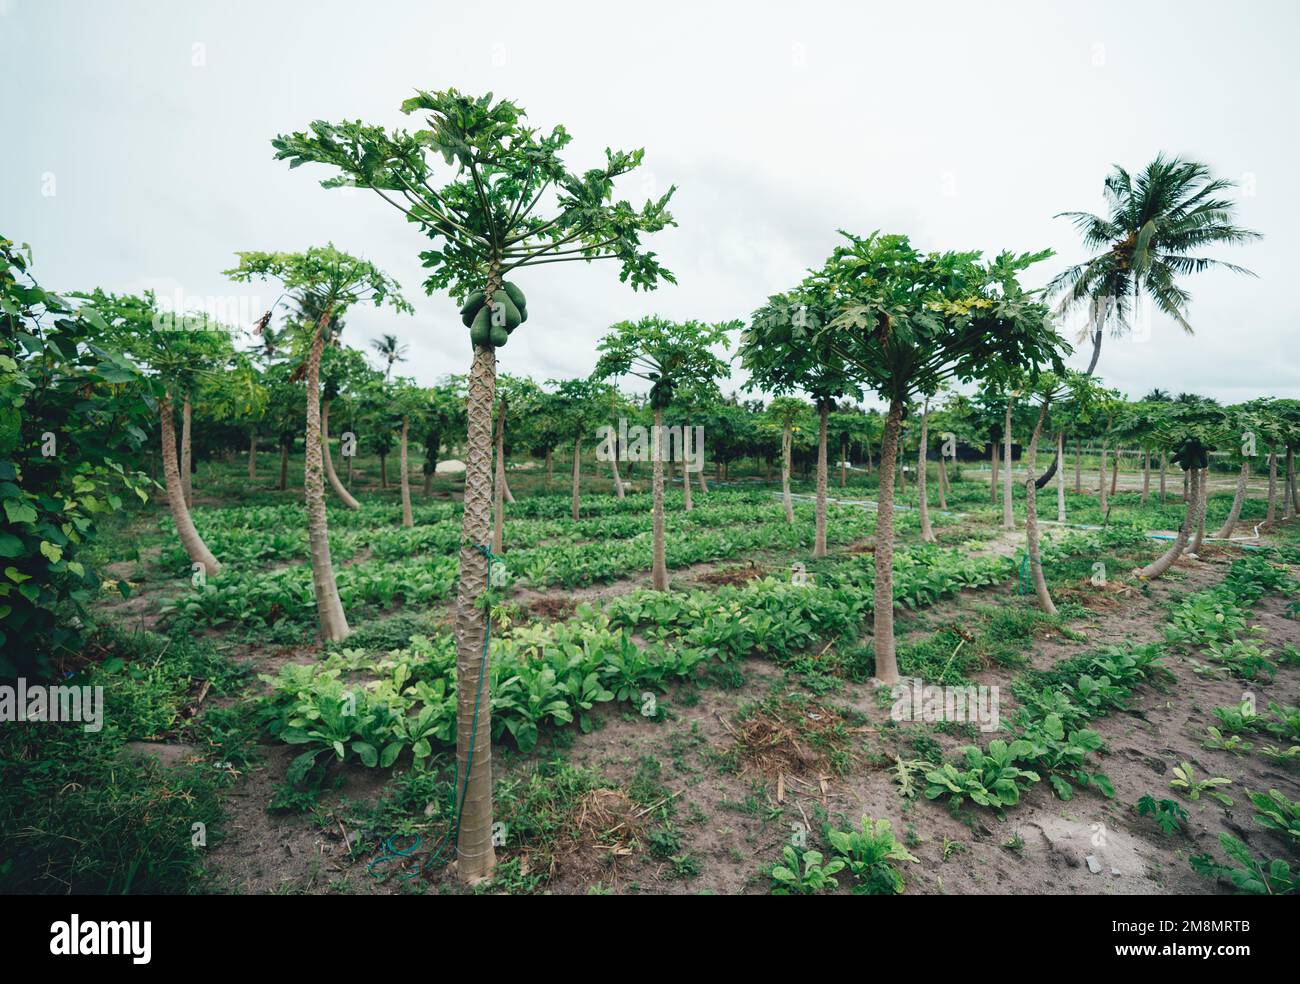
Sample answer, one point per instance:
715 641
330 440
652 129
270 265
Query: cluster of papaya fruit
490 324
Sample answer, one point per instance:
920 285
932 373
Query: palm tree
390 350
1155 227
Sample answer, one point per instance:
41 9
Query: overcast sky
137 147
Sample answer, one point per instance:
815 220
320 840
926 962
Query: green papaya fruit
499 336
472 307
472 303
516 295
509 311
480 332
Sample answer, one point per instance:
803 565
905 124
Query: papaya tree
730 429
956 422
1288 414
545 431
909 321
790 417
406 401
1190 430
1247 425
783 353
845 428
493 196
580 407
285 414
1269 432
347 379
330 281
179 354
237 397
671 356
516 398
442 419
1045 387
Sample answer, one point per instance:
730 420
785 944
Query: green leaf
19 512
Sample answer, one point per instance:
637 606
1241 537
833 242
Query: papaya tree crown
908 321
475 179
670 355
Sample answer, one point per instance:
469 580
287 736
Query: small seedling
1185 779
1168 814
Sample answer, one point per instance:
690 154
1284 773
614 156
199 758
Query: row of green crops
287 593
554 673
1213 622
1048 740
273 533
1048 734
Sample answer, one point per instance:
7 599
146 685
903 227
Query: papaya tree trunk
618 478
1114 472
1101 481
943 482
687 502
819 536
1225 531
428 483
883 614
195 548
785 472
1271 517
1205 500
284 465
505 488
927 532
1060 479
408 519
499 481
383 469
1008 519
1288 503
1166 559
187 461
704 485
660 566
344 495
329 609
1031 517
1291 482
577 473
475 854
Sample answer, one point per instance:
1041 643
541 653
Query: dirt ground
732 823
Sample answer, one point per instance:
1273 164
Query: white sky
964 125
